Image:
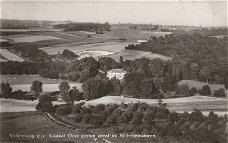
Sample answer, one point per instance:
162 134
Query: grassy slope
204 103
33 123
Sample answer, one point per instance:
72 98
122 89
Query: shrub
194 90
206 90
137 118
63 109
184 90
45 104
148 117
87 118
219 93
111 119
97 120
78 118
77 109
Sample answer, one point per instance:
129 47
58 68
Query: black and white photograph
113 71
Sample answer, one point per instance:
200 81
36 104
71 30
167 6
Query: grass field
204 103
24 82
28 79
33 38
134 54
33 124
110 46
10 56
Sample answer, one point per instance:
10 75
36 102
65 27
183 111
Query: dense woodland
91 27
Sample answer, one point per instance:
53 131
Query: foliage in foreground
141 118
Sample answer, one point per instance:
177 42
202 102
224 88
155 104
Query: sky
194 13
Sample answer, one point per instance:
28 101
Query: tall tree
37 87
64 88
6 89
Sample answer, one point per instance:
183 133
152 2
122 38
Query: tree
74 94
219 93
64 88
137 118
6 90
68 54
194 90
206 90
45 104
37 87
169 83
184 90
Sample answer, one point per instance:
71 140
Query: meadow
10 56
134 54
109 46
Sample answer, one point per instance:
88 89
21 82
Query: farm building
118 73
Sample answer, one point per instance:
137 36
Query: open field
46 87
110 46
204 103
28 79
10 56
33 38
33 124
199 85
134 54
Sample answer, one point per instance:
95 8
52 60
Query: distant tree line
91 27
22 24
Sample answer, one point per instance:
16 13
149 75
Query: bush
184 90
87 118
206 90
78 118
45 104
111 119
194 90
137 118
97 120
63 109
219 93
77 109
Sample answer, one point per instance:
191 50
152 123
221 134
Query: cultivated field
10 56
134 54
33 38
110 47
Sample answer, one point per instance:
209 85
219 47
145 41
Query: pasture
204 103
10 56
134 54
109 46
28 79
33 38
46 87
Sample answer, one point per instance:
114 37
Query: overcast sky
167 12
